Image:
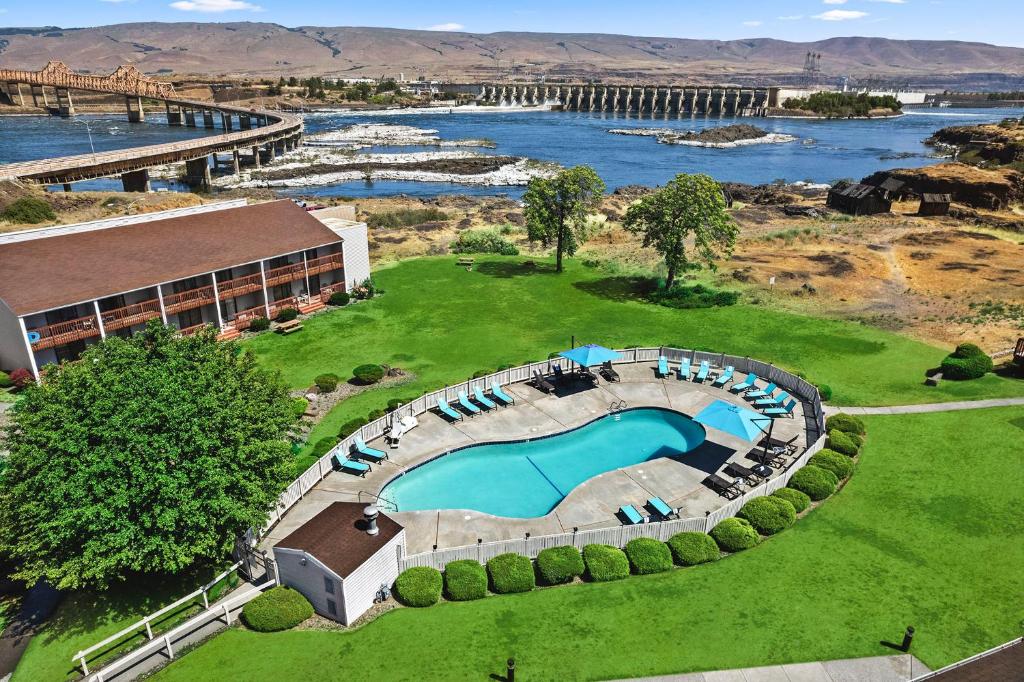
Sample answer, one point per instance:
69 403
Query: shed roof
936 198
891 184
337 537
856 191
53 271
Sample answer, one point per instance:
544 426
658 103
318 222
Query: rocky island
720 137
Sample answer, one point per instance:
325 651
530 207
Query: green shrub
419 586
735 534
299 406
465 580
696 296
511 573
838 463
21 377
368 374
30 210
375 414
483 241
605 563
395 403
857 441
815 482
558 565
799 500
339 298
768 515
840 442
259 324
323 446
279 608
965 363
691 548
406 217
287 314
481 373
327 382
5 380
647 555
847 423
825 391
351 426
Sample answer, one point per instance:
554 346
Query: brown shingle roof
337 537
51 272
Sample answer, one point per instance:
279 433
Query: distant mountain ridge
270 49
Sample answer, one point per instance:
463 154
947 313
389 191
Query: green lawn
927 533
444 323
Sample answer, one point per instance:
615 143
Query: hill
270 49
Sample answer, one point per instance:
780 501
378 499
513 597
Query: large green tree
688 206
557 208
149 454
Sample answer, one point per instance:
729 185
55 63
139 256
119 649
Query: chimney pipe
370 514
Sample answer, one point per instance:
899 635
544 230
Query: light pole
88 130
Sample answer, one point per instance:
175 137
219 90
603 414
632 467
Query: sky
796 20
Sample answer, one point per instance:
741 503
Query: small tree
557 209
688 205
148 455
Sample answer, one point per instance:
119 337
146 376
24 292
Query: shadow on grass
621 288
510 269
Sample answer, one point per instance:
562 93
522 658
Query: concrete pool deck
594 503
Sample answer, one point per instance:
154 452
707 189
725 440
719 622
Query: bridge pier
135 181
236 161
38 93
225 119
271 152
197 173
64 106
14 93
190 117
136 114
173 114
207 118
244 122
256 157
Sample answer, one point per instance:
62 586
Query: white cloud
449 26
891 2
215 6
752 23
792 17
840 15
835 2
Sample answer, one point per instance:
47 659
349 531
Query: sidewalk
928 407
875 669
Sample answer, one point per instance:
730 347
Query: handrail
188 331
80 324
240 285
202 295
326 263
121 317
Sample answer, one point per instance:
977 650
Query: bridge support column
244 122
207 118
67 186
14 94
271 151
136 114
256 157
39 94
64 106
225 119
197 173
190 117
173 114
135 181
236 162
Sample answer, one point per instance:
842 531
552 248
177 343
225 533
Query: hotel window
331 608
328 585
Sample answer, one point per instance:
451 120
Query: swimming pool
526 479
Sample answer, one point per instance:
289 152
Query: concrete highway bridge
259 134
643 100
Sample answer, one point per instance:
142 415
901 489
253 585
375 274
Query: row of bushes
338 298
363 375
18 378
483 241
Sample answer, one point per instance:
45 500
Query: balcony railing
60 333
285 274
188 331
277 306
239 286
187 300
137 313
244 318
325 292
332 261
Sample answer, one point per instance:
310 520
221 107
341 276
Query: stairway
229 334
311 307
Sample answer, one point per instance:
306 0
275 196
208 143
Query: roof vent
370 514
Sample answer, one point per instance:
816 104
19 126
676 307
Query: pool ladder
616 407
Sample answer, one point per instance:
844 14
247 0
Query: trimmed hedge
815 482
605 563
21 377
351 426
647 555
692 547
368 374
841 442
838 463
5 380
287 314
511 573
339 298
323 446
735 534
259 324
825 391
327 382
799 500
558 565
768 515
419 586
846 423
465 580
857 440
965 363
279 608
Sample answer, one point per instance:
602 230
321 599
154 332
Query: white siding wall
361 587
13 353
357 254
308 579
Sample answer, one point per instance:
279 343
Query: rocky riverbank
721 137
364 135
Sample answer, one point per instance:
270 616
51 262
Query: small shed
858 199
1018 351
934 204
338 563
892 188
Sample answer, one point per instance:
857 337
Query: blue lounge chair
662 366
466 405
702 373
725 377
764 393
362 449
658 505
479 396
352 466
442 405
772 400
500 394
684 370
748 383
631 514
785 411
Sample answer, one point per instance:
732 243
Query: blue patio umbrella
590 355
734 420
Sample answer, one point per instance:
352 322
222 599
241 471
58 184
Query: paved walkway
874 669
928 407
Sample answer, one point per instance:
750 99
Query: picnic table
288 327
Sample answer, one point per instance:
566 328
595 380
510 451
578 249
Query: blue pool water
526 479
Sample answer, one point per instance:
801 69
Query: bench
288 327
465 263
